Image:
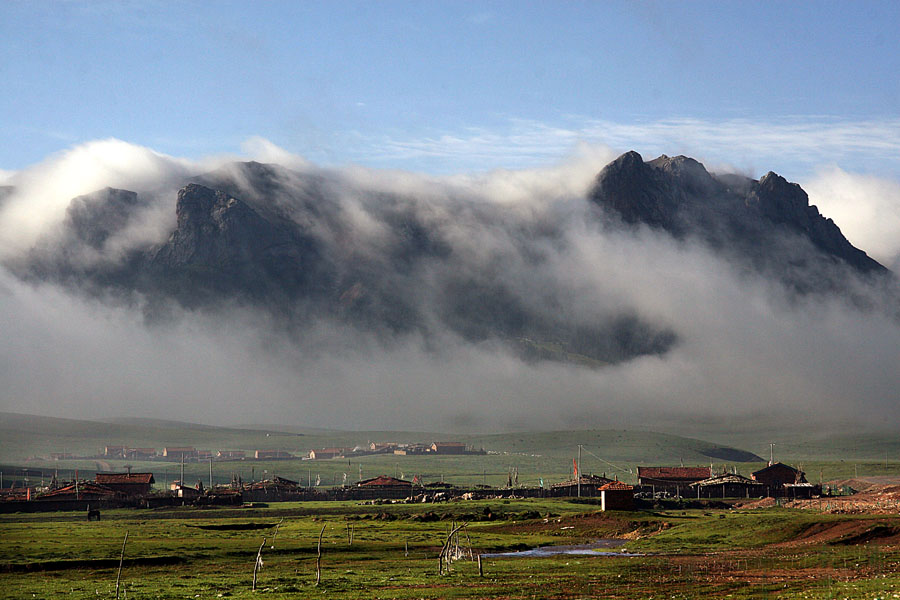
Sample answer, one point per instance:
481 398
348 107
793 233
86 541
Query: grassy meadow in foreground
193 553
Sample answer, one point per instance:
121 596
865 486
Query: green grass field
192 553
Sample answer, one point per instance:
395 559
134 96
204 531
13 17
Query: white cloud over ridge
744 349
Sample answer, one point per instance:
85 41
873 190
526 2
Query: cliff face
223 246
767 222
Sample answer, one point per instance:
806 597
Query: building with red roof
127 484
672 478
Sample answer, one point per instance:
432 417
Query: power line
624 470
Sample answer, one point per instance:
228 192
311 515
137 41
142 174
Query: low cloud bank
747 348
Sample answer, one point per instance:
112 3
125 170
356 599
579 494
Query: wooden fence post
319 557
257 564
121 560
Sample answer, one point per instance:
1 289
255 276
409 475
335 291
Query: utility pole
182 470
578 468
210 473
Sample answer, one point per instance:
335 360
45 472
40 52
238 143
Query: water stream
596 548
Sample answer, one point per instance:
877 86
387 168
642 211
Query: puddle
598 548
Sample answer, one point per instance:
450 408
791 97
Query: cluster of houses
435 448
775 480
112 489
191 454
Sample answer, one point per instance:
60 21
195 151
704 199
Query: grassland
192 553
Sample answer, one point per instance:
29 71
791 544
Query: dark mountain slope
313 247
223 246
768 224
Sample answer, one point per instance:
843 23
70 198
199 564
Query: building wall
616 499
776 475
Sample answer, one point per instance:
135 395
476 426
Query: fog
746 348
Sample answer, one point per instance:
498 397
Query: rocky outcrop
767 222
94 217
222 245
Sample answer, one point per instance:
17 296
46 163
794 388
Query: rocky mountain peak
748 218
92 218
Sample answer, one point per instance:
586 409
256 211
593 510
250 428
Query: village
121 488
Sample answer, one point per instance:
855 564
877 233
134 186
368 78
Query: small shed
383 486
616 496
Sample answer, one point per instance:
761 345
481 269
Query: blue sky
445 87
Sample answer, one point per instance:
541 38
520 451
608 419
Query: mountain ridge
286 241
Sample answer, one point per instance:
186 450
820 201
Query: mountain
222 246
768 223
313 247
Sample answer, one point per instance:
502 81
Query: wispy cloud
791 143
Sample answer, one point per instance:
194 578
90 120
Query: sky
450 87
505 109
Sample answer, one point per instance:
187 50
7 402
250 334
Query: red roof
616 485
84 488
107 478
674 473
383 481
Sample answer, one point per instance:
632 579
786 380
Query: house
231 455
405 449
326 453
387 447
272 455
728 485
140 453
61 456
776 476
590 486
82 490
448 448
180 453
383 486
671 479
616 495
186 492
114 451
17 493
126 484
204 455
